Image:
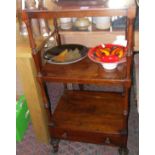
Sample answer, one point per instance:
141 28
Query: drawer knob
64 135
107 140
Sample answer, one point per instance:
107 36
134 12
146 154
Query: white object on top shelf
23 4
66 23
102 22
120 3
37 3
120 40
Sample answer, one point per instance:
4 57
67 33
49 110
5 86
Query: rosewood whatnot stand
86 116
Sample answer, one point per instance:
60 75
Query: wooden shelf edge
108 82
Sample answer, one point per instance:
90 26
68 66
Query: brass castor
123 151
55 144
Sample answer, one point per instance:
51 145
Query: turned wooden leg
123 151
55 144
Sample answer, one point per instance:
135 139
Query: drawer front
89 137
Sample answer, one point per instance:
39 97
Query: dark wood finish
79 9
89 137
76 13
90 115
35 54
93 117
73 102
57 31
85 71
37 59
130 37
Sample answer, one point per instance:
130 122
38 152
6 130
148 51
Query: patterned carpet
29 146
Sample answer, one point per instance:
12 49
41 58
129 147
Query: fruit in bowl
108 55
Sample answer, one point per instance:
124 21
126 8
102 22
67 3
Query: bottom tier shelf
93 117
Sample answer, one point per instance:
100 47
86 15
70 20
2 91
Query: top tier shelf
80 8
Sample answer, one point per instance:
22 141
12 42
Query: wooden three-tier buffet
86 116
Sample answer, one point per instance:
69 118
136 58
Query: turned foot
55 144
123 151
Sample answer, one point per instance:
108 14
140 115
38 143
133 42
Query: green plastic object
22 118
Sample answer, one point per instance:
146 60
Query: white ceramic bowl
109 66
82 23
102 23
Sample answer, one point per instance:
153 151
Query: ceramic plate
54 51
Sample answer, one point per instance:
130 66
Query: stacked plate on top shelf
75 23
66 23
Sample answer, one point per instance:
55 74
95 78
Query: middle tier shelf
85 72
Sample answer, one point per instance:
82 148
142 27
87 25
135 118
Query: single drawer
89 137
